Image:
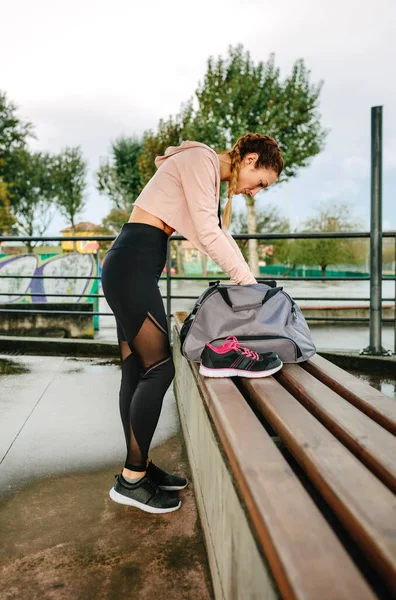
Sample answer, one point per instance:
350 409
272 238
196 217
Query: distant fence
61 289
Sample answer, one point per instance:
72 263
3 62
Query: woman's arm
197 173
234 244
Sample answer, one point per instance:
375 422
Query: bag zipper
293 304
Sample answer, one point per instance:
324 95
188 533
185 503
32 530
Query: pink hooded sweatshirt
185 193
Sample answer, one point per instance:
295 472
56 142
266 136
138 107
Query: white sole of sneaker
170 488
117 497
237 372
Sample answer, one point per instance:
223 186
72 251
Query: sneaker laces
149 479
232 343
155 469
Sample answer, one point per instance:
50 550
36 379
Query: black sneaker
145 494
164 480
233 359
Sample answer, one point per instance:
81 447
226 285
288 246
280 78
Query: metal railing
375 318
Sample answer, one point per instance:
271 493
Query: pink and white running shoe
234 359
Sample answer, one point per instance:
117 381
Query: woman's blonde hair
269 156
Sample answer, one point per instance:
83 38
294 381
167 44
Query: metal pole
376 231
96 288
168 287
376 235
395 300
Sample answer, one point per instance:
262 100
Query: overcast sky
85 72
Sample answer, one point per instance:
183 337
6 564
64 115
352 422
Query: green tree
268 220
69 177
331 217
119 176
7 220
237 96
13 132
388 254
170 132
114 220
13 136
33 191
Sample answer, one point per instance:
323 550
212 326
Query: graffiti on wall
34 268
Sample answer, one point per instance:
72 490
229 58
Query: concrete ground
62 537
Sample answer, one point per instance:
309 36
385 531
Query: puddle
94 361
10 367
385 384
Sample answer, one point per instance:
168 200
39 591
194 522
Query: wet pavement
382 383
61 443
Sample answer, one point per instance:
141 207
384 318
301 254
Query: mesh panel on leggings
147 371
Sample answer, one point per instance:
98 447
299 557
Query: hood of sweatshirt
171 150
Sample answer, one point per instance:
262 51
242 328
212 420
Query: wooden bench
295 480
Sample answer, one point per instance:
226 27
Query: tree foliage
33 191
34 184
7 220
114 220
238 96
170 132
13 132
119 177
69 177
331 217
13 136
268 220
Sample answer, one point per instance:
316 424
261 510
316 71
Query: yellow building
83 246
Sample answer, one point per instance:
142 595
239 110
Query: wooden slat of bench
373 444
301 548
365 506
374 403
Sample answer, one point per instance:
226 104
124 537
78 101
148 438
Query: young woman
182 196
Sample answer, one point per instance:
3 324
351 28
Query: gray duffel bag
261 315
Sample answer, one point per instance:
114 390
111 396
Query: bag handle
270 282
242 298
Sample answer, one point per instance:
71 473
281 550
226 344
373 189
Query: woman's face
252 180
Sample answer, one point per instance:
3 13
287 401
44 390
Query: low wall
235 561
345 311
46 324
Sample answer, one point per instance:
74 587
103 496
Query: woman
182 196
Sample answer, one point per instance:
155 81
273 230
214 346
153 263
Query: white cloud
336 190
389 156
356 166
359 166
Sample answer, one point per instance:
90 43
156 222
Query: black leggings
131 269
